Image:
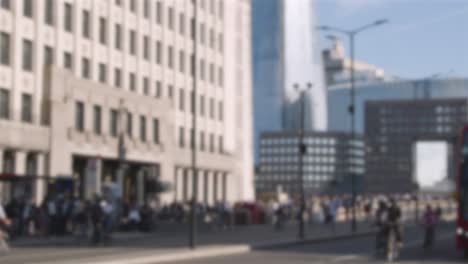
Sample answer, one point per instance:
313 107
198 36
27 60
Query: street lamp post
351 109
302 151
193 136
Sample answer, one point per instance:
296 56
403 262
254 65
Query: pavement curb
211 252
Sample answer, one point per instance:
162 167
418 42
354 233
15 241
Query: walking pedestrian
4 225
429 222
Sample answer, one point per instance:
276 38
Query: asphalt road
357 250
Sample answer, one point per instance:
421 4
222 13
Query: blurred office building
96 93
286 52
425 89
393 128
328 162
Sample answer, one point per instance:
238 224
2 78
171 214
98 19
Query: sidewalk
170 246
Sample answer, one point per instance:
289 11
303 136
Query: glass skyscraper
286 51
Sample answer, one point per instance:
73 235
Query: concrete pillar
220 186
1 159
209 187
2 185
200 185
140 184
93 177
224 188
189 183
204 193
20 162
40 183
215 187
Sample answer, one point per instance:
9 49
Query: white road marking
345 258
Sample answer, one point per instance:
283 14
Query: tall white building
96 92
286 52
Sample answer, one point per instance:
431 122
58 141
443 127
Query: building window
133 6
49 12
146 48
170 89
202 105
97 120
181 100
220 42
118 2
202 141
102 73
26 108
212 146
67 60
159 13
220 111
182 61
221 144
85 68
192 102
171 18
5 4
181 137
28 8
114 117
156 131
118 37
202 70
182 24
117 78
146 86
192 28
146 9
4 48
212 39
202 34
220 77
143 128
79 116
4 104
27 55
48 56
221 10
158 52
192 65
102 31
212 73
129 125
132 42
212 110
86 24
68 18
170 56
132 82
158 89
192 138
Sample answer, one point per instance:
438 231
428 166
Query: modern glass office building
339 97
286 52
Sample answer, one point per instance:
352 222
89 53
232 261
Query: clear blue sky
423 37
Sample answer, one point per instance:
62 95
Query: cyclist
393 221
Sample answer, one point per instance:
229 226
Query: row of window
295 150
292 159
26 106
271 168
201 102
27 63
295 140
201 143
28 8
118 32
80 113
